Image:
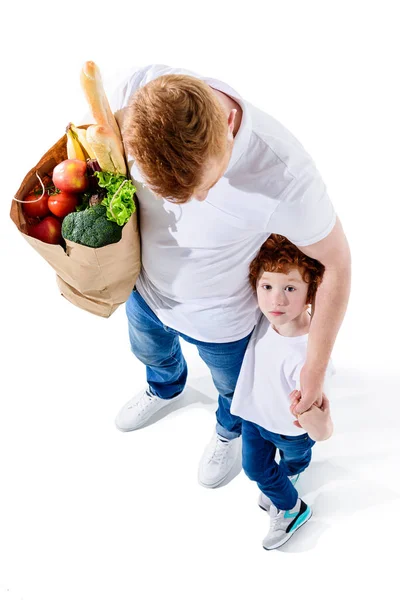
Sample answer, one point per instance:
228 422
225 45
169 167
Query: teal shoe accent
304 517
291 515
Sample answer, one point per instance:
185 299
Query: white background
87 512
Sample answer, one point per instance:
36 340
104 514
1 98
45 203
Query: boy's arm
316 420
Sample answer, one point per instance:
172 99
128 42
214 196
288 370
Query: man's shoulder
278 142
130 81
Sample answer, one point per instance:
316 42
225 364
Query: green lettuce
119 200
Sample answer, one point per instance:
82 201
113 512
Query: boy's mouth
276 313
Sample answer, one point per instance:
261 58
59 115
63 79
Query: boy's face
282 296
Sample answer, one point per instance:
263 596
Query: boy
286 281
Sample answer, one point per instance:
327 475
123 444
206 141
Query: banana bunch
98 142
77 144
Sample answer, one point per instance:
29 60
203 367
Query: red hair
173 127
279 255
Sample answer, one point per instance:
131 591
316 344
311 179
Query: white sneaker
218 459
265 503
140 408
284 523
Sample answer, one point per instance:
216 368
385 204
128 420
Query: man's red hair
173 127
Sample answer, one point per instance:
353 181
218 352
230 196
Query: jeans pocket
294 438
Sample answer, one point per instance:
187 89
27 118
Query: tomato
70 176
39 208
63 203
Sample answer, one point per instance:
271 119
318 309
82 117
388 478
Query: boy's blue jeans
258 459
157 346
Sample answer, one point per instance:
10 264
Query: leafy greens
119 200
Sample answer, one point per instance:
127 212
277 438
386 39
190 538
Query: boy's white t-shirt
196 256
270 372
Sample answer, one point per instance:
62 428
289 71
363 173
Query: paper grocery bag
95 279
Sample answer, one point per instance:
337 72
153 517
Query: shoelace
144 401
274 521
219 452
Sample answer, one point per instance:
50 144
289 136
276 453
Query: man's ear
231 122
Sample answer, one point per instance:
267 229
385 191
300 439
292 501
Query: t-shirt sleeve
305 215
330 371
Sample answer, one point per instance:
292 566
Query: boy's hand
294 397
316 420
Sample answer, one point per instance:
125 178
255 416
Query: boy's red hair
279 255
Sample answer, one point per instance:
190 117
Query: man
215 177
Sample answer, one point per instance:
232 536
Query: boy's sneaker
140 408
218 460
284 523
265 503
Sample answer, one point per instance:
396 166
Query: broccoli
91 227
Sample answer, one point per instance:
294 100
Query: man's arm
330 307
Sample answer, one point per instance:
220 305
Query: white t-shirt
196 255
270 372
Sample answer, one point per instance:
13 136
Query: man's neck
228 103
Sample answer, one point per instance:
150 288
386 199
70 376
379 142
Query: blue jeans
258 452
157 346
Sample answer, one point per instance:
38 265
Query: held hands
316 420
311 384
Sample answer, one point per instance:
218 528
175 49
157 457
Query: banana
80 134
74 149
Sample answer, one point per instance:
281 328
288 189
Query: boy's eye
267 286
290 288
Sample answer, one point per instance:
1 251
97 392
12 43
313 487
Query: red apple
33 207
48 230
70 176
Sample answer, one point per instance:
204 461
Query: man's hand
311 385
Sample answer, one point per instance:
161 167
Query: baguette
93 89
104 144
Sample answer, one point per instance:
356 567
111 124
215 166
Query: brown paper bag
95 279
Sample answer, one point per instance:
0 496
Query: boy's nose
280 300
